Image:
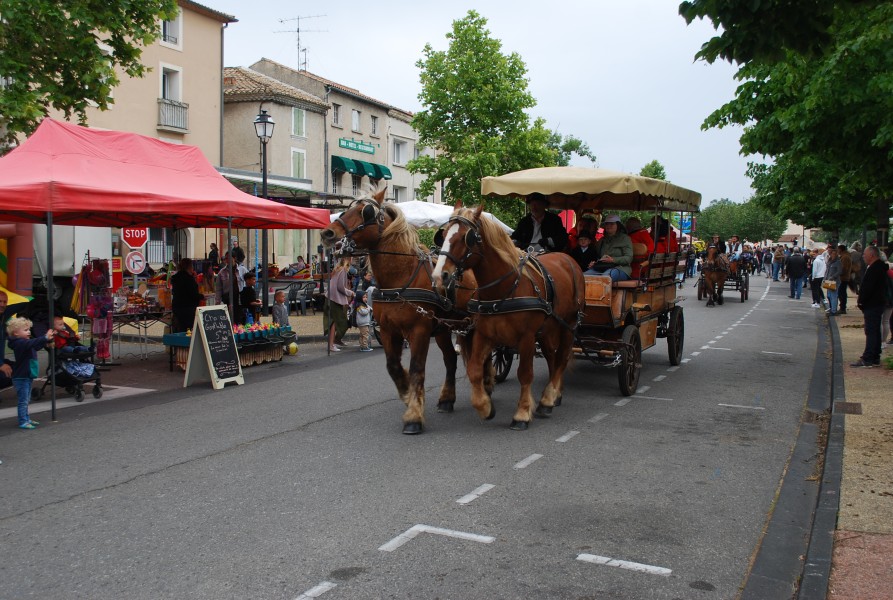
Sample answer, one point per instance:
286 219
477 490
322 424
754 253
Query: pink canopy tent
103 178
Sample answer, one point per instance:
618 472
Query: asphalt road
300 484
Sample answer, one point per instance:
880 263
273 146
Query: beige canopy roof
601 189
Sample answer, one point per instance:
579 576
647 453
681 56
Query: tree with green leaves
474 116
65 55
821 110
749 221
567 145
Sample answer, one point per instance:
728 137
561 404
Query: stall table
141 321
251 352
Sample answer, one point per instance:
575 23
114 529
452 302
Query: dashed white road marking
644 389
528 461
672 369
567 436
637 397
715 348
742 406
659 378
695 353
317 591
417 529
685 360
719 337
770 352
476 493
598 417
624 564
622 402
750 325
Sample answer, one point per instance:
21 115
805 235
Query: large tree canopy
749 221
63 55
821 112
474 99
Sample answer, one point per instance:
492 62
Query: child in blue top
364 320
26 365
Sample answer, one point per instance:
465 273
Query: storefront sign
356 146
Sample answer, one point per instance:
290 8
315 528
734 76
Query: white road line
622 402
624 564
567 436
637 397
719 337
715 348
476 493
685 360
695 353
712 342
598 417
528 461
659 378
672 369
644 389
750 325
741 406
317 591
782 353
417 529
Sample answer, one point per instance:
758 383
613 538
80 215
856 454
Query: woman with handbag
831 282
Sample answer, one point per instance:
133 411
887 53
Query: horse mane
493 235
399 234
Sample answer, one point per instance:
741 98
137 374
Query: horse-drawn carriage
619 319
714 282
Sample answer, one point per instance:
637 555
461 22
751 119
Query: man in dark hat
540 228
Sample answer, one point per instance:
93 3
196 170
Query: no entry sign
135 237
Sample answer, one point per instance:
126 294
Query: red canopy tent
71 175
103 178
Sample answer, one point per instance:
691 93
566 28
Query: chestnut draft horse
405 304
520 300
715 274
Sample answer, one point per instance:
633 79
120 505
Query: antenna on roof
302 65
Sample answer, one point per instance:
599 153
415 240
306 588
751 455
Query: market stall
66 174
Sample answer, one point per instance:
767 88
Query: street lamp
263 127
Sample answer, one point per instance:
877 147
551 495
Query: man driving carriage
540 228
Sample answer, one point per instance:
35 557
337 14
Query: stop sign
135 237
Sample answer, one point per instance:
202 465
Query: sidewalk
862 563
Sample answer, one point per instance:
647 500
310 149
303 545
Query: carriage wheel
747 288
630 361
676 335
701 292
502 362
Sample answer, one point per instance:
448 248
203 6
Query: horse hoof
542 411
444 407
412 428
557 401
519 425
492 413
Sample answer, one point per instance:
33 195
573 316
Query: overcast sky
619 75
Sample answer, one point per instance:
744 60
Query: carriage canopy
601 189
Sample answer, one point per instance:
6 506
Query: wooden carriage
620 319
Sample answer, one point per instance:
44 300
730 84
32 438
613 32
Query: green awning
364 168
382 171
339 163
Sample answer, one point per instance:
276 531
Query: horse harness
541 302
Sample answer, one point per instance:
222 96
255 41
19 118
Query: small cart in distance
620 319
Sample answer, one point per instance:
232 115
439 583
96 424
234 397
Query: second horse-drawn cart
620 319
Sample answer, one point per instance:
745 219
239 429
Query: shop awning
382 171
345 165
364 168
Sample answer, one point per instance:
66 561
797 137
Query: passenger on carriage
584 253
588 222
639 235
717 243
540 228
615 251
665 235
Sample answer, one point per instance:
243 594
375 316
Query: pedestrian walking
796 268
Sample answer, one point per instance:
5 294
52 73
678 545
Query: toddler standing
26 368
364 319
280 310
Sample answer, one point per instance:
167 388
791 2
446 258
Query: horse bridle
472 241
371 214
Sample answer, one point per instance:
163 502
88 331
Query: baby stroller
73 370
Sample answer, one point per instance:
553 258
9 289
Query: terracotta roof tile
241 84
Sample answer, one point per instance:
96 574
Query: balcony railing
173 114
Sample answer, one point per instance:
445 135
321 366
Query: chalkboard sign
212 349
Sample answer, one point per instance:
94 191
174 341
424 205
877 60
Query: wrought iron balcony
173 115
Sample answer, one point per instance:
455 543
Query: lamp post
263 127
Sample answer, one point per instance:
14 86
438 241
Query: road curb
817 570
778 565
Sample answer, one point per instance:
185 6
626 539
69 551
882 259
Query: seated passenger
615 251
664 234
540 228
639 235
584 253
588 222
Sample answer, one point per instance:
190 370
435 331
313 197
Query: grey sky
617 74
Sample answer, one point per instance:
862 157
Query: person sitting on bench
615 251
